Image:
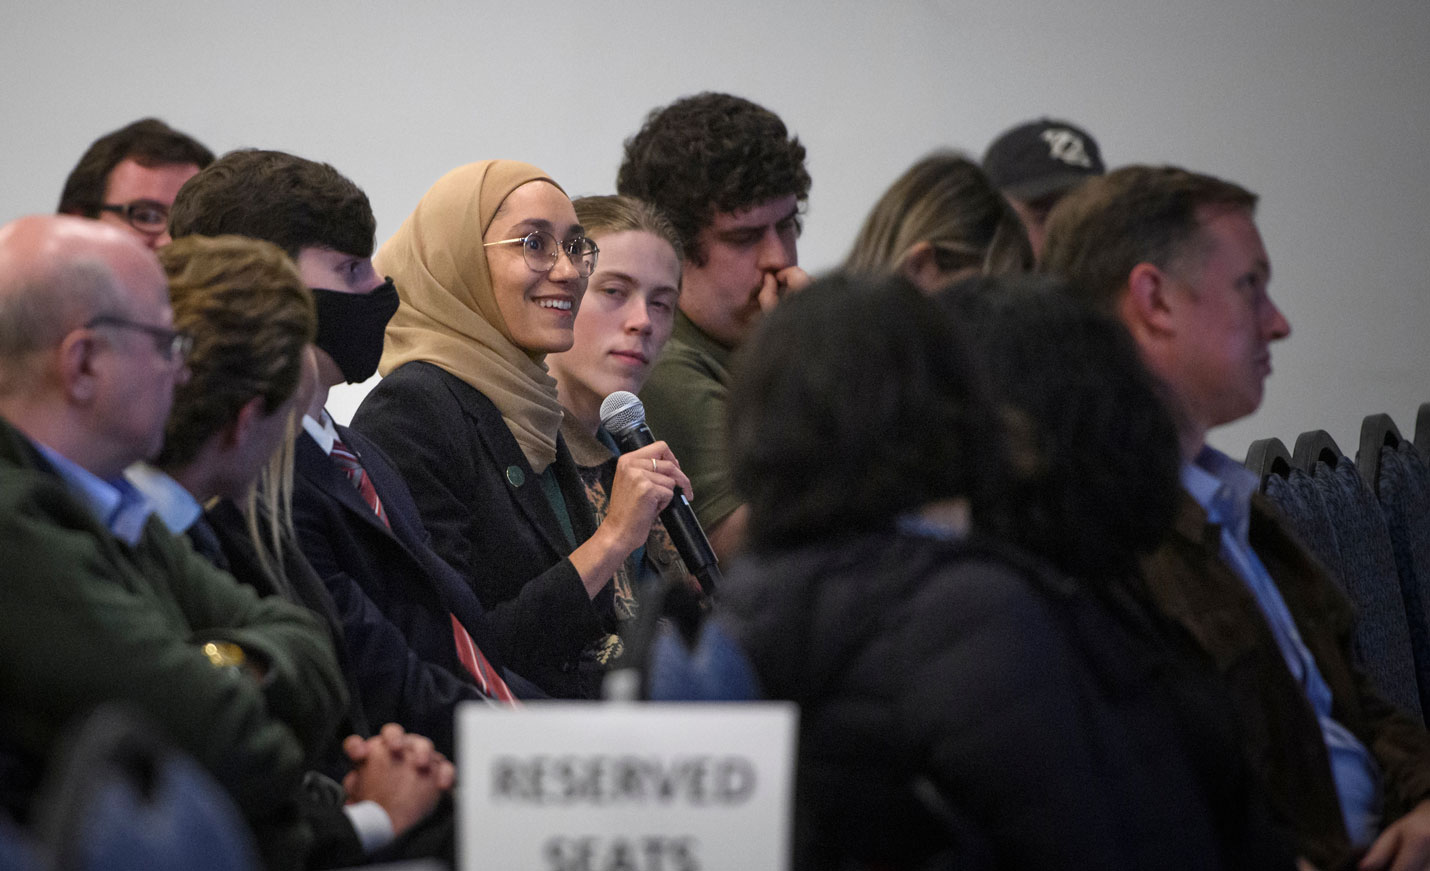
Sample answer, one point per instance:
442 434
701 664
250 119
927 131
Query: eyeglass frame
560 246
126 211
170 344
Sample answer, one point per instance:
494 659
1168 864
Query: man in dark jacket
1178 258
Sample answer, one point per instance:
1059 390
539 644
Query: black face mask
350 327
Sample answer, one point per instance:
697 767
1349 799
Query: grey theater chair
1422 430
1382 642
1400 477
120 798
1335 515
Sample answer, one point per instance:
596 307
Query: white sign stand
563 786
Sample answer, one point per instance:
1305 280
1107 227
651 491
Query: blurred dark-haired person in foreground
1093 489
129 178
939 222
1083 415
1177 257
962 706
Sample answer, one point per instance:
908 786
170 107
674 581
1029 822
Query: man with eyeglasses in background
130 177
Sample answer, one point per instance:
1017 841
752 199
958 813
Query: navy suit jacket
393 596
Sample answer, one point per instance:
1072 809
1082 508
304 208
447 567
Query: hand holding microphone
623 416
646 481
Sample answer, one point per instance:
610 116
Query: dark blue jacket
392 594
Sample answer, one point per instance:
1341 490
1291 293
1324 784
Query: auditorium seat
1339 519
1368 573
1400 478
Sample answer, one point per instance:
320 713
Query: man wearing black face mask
355 520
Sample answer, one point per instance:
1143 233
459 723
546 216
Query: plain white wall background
1320 106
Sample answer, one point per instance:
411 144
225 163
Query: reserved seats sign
559 786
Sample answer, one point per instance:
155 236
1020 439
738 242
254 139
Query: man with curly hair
733 181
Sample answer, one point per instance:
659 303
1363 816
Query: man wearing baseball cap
1036 163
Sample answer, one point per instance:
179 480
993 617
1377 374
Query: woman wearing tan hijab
491 267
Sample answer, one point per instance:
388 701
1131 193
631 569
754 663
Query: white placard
565 786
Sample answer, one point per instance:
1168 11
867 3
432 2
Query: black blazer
489 519
392 595
238 555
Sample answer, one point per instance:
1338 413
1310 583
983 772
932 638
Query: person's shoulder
35 496
891 571
682 381
986 584
417 378
680 358
420 389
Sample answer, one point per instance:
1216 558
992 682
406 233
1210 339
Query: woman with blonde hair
939 222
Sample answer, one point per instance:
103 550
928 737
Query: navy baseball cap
1041 158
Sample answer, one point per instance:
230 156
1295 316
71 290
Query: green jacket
86 619
685 400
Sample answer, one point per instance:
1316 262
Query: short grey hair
38 310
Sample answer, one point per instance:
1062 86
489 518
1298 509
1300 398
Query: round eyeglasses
146 216
540 249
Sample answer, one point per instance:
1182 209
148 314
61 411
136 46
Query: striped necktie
352 468
487 680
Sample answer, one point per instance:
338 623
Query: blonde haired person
251 318
625 319
941 221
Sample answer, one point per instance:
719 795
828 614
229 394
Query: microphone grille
621 411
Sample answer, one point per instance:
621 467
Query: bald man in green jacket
99 603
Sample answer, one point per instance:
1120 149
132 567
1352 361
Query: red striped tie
488 681
352 467
471 656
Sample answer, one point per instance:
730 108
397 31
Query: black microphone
623 416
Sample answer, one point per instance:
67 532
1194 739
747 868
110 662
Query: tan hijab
449 315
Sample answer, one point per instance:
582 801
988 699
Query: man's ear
920 266
76 363
239 430
1147 305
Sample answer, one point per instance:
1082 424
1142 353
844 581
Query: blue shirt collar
116 503
1223 487
174 505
